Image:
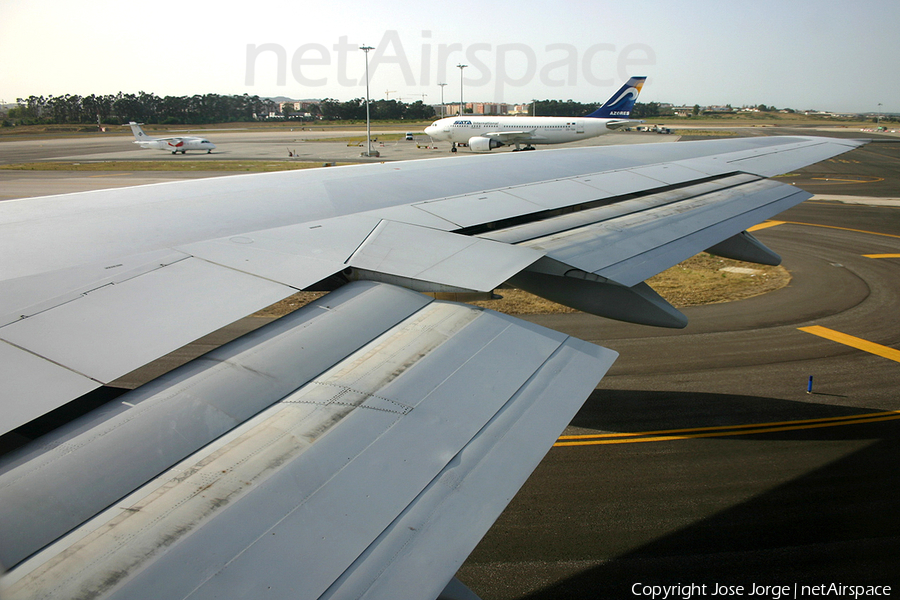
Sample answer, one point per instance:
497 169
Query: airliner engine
483 144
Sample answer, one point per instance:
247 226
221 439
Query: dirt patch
702 279
707 279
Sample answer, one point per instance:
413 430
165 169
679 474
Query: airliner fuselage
483 134
533 130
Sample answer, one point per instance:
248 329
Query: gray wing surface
508 137
309 462
619 124
359 447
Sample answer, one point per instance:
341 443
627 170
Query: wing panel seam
494 226
50 360
441 477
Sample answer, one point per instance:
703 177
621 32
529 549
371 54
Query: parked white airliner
485 133
172 144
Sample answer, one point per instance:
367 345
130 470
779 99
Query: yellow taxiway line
854 342
753 428
730 430
766 224
840 181
665 435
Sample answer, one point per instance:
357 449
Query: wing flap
156 312
301 255
636 239
612 207
430 255
622 123
24 297
271 261
427 534
770 156
135 436
479 207
512 136
559 193
38 385
164 300
323 474
322 246
696 230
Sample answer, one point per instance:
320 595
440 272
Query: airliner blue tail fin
620 104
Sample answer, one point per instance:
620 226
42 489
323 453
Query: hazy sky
824 54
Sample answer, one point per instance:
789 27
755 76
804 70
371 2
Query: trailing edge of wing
291 254
634 239
427 534
358 474
510 136
622 123
225 387
429 255
166 299
104 333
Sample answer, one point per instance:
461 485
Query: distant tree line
570 108
194 110
355 109
562 108
147 108
214 108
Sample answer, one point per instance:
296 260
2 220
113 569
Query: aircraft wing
173 142
622 123
361 446
510 137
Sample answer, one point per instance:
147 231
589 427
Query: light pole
368 123
443 112
462 106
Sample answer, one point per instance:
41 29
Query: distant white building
6 106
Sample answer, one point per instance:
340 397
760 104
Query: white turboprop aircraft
173 144
361 446
483 134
